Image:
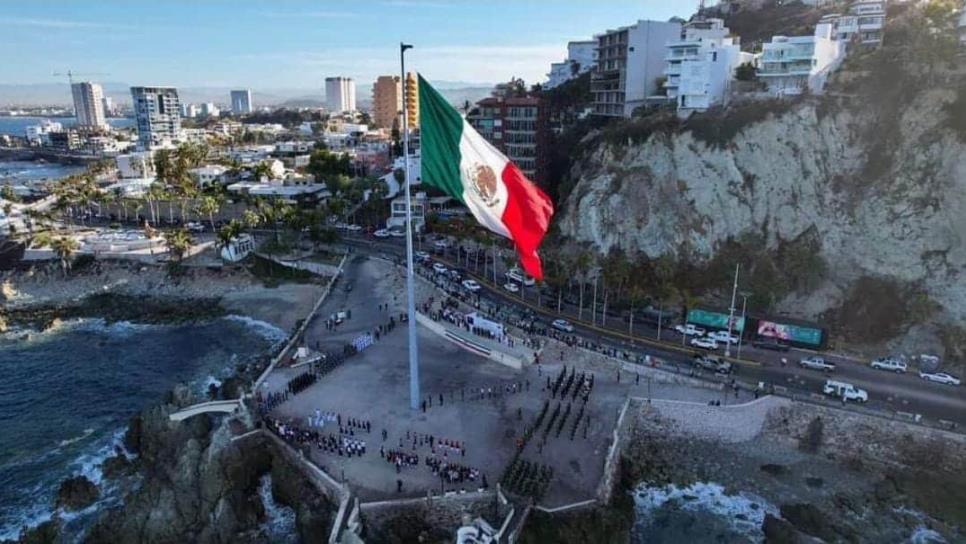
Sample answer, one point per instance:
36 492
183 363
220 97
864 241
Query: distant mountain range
54 94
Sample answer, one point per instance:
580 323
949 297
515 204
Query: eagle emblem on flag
483 180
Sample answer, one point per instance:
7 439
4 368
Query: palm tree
209 206
262 169
228 232
250 219
581 269
178 242
63 246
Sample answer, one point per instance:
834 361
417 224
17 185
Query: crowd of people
453 473
399 458
301 382
267 402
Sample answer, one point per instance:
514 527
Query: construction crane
70 75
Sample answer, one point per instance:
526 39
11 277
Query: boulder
76 493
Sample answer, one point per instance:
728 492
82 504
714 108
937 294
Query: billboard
715 320
790 333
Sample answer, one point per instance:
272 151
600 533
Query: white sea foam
265 329
279 520
743 512
69 441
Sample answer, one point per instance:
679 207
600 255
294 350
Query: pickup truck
689 330
816 363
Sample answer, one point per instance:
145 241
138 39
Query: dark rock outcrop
77 493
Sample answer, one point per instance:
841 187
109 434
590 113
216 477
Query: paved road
888 392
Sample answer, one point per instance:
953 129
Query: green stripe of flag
440 129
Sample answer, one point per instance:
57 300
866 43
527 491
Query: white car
562 325
511 287
940 377
889 363
354 228
420 256
194 226
471 285
381 233
723 337
440 246
397 233
704 342
845 390
518 276
816 363
439 268
689 330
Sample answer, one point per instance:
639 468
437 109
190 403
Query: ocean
15 126
29 172
67 395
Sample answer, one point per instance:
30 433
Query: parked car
940 377
381 233
420 256
562 325
439 268
194 226
712 363
723 337
455 274
395 233
704 342
354 228
845 391
816 363
471 285
689 330
511 287
889 363
440 246
773 345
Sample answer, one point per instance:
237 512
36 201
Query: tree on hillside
63 246
209 206
324 165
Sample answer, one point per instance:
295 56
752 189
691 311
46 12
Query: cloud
50 23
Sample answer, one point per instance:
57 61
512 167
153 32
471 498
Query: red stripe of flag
527 217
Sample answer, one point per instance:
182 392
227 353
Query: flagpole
410 288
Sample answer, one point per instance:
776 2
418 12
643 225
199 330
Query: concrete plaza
374 385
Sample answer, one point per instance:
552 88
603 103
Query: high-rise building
241 101
515 125
89 105
340 94
110 109
189 111
387 101
412 100
629 62
158 114
209 109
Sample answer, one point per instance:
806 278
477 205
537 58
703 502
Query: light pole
744 322
731 313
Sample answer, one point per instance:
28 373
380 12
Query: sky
297 43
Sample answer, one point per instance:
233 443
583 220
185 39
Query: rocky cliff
873 176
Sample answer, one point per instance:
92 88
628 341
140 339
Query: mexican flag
461 163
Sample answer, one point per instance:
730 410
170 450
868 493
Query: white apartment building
189 111
629 61
210 174
89 105
39 134
701 64
209 109
241 101
340 94
158 114
862 25
790 65
138 165
581 58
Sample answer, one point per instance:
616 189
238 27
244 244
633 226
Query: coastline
39 298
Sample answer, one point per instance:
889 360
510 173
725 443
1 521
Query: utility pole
744 321
731 313
410 288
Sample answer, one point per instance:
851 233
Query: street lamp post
731 313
